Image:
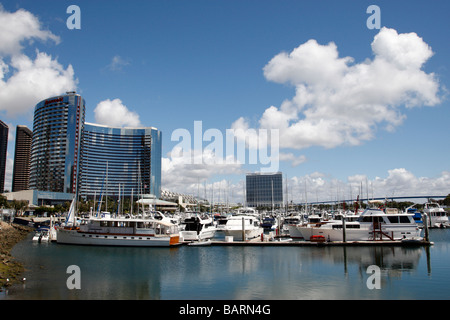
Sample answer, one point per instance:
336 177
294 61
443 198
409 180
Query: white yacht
436 215
243 224
299 230
292 219
373 224
123 231
198 227
42 234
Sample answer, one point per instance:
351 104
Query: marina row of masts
121 197
220 206
287 206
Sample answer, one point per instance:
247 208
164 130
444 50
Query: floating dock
281 243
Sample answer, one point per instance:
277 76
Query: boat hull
294 231
77 237
194 236
397 233
249 234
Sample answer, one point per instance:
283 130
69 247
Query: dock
278 243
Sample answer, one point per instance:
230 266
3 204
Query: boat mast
131 202
106 199
272 197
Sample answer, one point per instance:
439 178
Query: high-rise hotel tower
125 161
55 149
71 156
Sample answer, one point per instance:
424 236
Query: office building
21 170
3 151
55 149
264 190
121 161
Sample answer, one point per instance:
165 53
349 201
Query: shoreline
10 269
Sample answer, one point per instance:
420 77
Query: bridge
383 198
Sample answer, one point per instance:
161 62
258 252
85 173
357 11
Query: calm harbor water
234 273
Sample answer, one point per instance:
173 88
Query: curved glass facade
55 149
125 157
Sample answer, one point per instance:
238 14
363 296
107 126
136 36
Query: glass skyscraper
55 149
264 189
71 156
120 160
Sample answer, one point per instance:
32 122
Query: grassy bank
9 268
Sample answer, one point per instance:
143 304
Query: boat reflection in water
225 272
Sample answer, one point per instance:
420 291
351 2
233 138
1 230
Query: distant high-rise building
21 170
3 150
55 149
264 189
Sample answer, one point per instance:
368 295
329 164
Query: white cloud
397 182
317 186
295 160
33 81
117 63
338 102
114 113
401 181
19 26
24 81
179 175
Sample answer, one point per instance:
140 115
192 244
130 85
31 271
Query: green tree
446 201
3 202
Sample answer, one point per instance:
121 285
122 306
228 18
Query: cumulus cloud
25 80
316 186
183 176
114 113
397 182
339 102
33 81
17 27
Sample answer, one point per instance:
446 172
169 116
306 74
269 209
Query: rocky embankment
10 269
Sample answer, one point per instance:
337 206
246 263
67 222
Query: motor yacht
198 227
240 226
437 216
373 224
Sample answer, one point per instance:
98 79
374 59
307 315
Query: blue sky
175 62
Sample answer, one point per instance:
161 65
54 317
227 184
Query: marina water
234 272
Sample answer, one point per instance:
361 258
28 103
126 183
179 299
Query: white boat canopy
156 202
